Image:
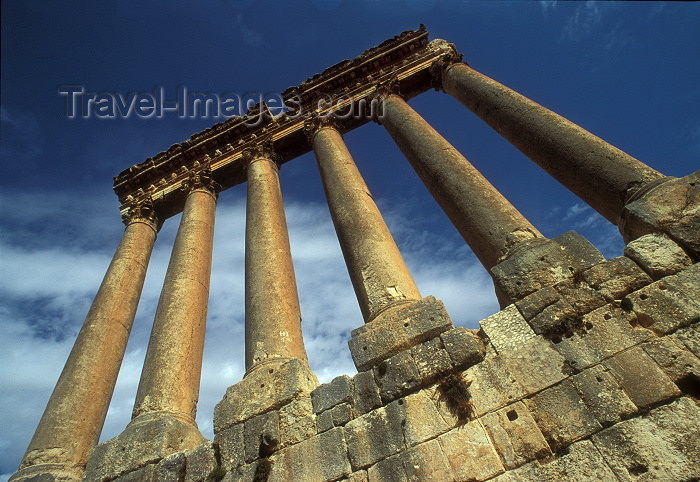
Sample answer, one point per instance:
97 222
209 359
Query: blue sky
628 72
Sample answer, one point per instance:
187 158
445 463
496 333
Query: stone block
358 476
464 346
342 414
506 329
231 446
580 296
261 435
641 378
431 360
491 386
535 302
418 417
557 319
658 255
536 365
662 308
561 415
366 396
322 457
372 437
387 470
690 337
603 395
426 462
515 435
396 376
149 473
617 277
261 391
680 365
324 421
147 439
296 421
396 329
665 445
470 453
201 463
670 206
544 263
605 331
686 281
331 394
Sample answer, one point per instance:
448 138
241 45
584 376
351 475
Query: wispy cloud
585 19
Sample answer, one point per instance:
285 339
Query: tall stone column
73 419
485 219
377 269
171 372
272 313
602 175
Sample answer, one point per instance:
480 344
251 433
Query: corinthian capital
442 63
316 123
263 149
141 211
201 179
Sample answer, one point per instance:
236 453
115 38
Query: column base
267 386
397 328
669 205
146 440
48 473
537 263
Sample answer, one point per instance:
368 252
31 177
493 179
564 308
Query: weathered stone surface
603 396
396 376
582 298
259 470
372 437
261 391
146 439
661 446
658 255
322 457
506 329
545 263
662 308
515 435
387 470
641 378
201 463
561 415
431 359
396 329
426 462
358 476
678 363
690 337
582 462
555 320
324 421
605 331
231 446
464 346
536 365
366 396
296 421
418 417
535 302
616 277
686 281
261 435
342 414
671 207
470 453
491 386
330 394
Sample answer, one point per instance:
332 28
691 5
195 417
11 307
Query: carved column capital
442 63
141 211
201 180
261 150
318 122
381 92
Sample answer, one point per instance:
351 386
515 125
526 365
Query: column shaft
377 269
272 314
71 424
485 219
171 372
599 173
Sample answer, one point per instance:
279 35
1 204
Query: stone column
377 269
170 378
272 314
602 175
73 419
485 219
